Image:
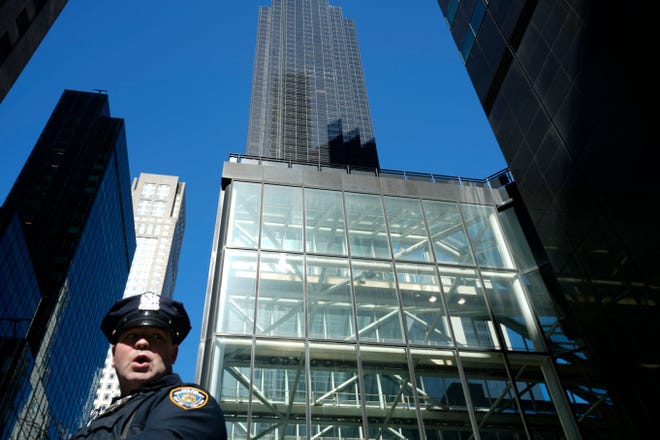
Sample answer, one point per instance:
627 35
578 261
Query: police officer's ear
175 352
112 349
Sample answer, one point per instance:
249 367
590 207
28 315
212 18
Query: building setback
309 99
67 240
23 24
569 107
159 209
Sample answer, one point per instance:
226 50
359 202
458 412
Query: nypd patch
188 397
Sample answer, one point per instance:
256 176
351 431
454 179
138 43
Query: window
148 190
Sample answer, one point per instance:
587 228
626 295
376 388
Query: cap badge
149 301
187 397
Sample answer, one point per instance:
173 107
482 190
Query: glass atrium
354 306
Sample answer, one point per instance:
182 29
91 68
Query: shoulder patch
188 397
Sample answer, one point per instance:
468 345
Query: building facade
570 111
384 305
159 209
309 99
23 24
67 242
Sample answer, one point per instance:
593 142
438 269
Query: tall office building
66 244
23 24
159 208
352 303
570 107
309 99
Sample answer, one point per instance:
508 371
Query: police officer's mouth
141 361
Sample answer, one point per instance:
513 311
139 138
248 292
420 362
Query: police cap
146 310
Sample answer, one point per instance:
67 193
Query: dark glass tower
569 107
67 240
23 24
309 100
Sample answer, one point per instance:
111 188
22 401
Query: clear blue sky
181 77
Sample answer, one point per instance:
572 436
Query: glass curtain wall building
309 99
388 305
571 112
23 24
66 244
159 211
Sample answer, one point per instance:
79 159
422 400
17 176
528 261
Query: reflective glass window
512 311
440 394
238 292
244 215
324 222
407 230
282 227
378 317
470 319
450 242
144 207
148 190
280 304
487 236
329 305
426 320
367 234
163 191
278 384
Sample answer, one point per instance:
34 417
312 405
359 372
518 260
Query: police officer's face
142 354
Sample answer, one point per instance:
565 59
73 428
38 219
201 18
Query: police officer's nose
142 343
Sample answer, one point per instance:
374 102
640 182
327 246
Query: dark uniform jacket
160 410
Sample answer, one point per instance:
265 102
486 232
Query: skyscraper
352 303
67 238
23 24
159 208
309 99
570 109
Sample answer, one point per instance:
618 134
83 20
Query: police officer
145 332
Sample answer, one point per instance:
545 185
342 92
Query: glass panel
230 372
388 389
378 314
535 399
329 306
492 397
335 392
282 218
163 192
426 320
512 312
438 382
244 214
560 344
517 241
407 230
230 382
448 236
144 207
324 222
487 236
280 305
470 320
238 291
148 189
278 403
366 226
